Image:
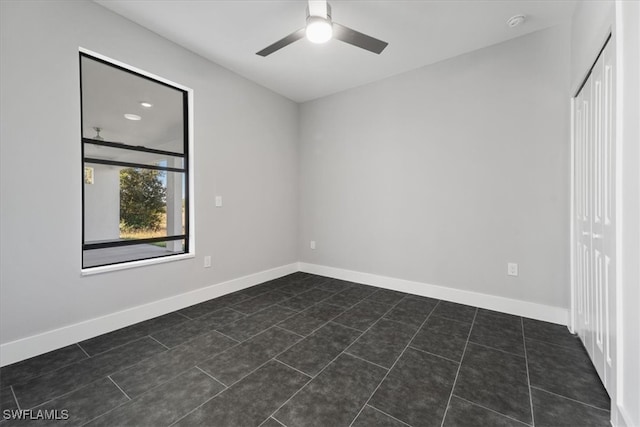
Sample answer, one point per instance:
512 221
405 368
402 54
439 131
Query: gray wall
444 174
245 150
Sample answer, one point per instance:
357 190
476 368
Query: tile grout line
345 326
277 325
83 350
433 354
202 315
237 344
185 370
565 347
319 327
289 366
157 385
363 359
211 376
67 393
396 361
91 382
267 419
199 335
123 392
208 400
15 397
339 306
492 410
302 294
216 395
163 344
26 380
440 316
569 398
496 349
329 364
240 379
453 387
142 394
183 315
80 388
227 336
172 378
186 319
331 320
526 363
119 346
388 415
279 422
399 321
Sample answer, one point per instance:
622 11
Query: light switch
218 201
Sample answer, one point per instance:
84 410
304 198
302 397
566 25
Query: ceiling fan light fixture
319 30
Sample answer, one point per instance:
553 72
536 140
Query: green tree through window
142 199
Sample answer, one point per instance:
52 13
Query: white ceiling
419 33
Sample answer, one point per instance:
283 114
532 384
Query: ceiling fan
320 29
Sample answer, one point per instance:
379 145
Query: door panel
597 248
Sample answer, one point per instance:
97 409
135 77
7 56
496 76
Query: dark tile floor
306 350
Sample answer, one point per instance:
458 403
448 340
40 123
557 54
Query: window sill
134 264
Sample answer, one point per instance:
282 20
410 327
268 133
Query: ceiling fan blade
295 36
358 39
318 8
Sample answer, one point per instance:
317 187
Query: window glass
134 164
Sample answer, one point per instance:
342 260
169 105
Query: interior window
135 165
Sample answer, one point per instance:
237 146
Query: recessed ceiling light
146 104
132 117
515 20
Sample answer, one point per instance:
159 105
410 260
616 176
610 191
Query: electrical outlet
207 261
312 245
512 269
218 201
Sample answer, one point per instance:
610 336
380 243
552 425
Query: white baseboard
24 348
531 310
620 417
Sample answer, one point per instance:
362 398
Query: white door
594 204
609 215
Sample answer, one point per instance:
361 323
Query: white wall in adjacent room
445 174
245 149
102 204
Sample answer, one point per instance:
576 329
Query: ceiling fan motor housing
328 17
